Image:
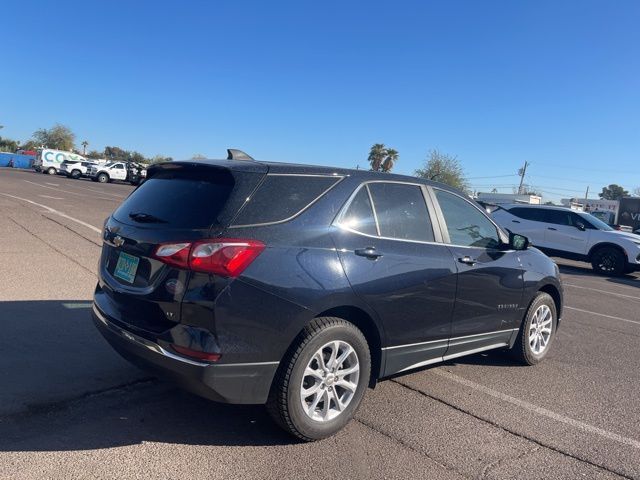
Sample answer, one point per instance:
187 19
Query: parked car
300 286
125 171
76 169
574 235
48 160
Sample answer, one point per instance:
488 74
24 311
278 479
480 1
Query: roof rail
234 154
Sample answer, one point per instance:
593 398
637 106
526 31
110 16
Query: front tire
51 171
537 331
322 379
608 261
103 178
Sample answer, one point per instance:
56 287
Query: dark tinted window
283 196
401 211
467 226
535 214
118 165
359 215
187 199
558 217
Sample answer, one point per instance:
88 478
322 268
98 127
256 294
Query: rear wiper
145 218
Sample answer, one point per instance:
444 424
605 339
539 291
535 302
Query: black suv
300 286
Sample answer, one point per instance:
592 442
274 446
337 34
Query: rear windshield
282 197
192 198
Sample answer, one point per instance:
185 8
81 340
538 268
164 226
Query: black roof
301 169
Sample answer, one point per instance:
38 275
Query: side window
467 226
401 211
558 217
576 220
281 197
359 215
534 214
118 165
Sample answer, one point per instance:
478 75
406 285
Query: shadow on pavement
64 388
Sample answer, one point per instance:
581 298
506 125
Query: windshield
596 222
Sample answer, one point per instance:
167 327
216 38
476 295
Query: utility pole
586 198
522 172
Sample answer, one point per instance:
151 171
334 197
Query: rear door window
281 197
401 211
534 214
558 217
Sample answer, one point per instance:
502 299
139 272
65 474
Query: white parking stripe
56 189
53 198
63 215
100 192
539 410
633 297
603 315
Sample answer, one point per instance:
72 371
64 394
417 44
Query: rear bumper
246 383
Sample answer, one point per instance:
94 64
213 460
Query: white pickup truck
124 171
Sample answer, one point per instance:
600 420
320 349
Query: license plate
126 267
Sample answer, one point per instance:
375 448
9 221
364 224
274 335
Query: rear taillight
223 256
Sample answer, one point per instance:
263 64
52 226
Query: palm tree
376 156
84 147
390 159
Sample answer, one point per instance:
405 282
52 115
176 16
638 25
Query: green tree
58 137
8 145
159 159
443 168
613 192
377 155
390 159
94 154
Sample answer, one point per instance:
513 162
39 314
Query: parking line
52 198
603 315
539 410
52 210
56 189
633 297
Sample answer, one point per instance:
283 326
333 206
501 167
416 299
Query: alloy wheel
540 329
330 381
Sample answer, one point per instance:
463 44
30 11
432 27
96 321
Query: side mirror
518 242
580 226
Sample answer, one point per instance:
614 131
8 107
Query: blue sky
555 83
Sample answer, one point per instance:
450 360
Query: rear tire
51 171
75 174
537 331
103 178
608 261
316 392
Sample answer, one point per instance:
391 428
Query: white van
49 160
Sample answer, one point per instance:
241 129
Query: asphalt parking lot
71 408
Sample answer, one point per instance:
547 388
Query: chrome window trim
339 178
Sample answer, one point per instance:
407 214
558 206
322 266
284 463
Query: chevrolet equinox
299 286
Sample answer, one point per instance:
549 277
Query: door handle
467 260
368 252
551 228
515 221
